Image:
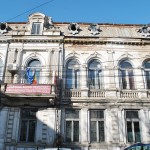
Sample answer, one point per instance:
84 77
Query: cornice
32 39
107 40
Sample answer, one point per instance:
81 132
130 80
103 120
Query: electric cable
30 10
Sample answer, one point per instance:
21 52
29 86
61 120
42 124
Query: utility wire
30 10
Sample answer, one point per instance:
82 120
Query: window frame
132 121
35 30
72 120
73 76
28 126
146 69
98 75
128 76
97 120
37 70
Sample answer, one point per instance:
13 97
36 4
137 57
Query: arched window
147 73
94 74
126 75
33 72
1 69
72 74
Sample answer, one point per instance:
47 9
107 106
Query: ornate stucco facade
92 85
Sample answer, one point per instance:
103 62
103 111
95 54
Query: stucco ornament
3 28
74 28
145 31
94 29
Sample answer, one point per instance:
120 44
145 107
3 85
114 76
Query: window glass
72 74
72 125
94 74
97 133
126 75
36 28
147 73
33 72
28 125
132 125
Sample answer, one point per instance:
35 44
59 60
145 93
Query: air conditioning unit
12 67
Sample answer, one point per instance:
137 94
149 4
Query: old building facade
75 85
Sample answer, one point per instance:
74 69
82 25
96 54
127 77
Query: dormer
38 22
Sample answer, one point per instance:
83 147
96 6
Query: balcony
101 95
29 90
130 94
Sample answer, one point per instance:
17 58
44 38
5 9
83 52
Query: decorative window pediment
145 31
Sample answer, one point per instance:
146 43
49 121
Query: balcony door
33 72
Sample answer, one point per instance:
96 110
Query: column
84 126
110 68
83 80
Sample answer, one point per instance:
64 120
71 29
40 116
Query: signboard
27 89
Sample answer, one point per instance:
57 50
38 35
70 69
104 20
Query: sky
91 11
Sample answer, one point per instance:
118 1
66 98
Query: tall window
28 125
147 73
36 28
132 126
33 67
126 75
72 125
1 69
72 74
97 126
94 74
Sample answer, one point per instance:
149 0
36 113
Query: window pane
72 113
23 131
76 131
31 131
101 131
125 65
29 113
68 131
76 78
131 79
96 114
148 79
137 132
36 28
132 114
124 81
69 79
93 136
129 132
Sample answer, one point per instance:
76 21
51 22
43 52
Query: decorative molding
94 29
145 31
73 28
